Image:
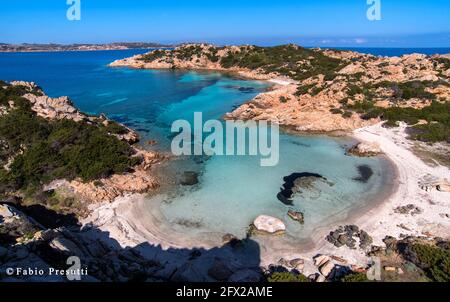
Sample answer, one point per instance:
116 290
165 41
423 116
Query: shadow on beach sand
61 236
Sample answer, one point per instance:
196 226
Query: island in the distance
27 47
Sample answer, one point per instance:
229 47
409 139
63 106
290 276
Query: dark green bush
287 277
434 132
285 60
336 111
434 260
116 128
45 150
152 56
355 277
347 114
301 90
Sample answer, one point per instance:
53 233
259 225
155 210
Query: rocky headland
316 90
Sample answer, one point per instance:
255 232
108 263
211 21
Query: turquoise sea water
232 190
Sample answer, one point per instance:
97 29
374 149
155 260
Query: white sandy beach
411 170
130 222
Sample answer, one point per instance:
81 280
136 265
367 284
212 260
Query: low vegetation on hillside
428 124
293 61
333 72
34 150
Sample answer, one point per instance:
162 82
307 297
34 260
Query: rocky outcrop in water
297 183
365 173
189 178
297 216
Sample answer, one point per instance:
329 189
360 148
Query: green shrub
287 277
284 60
434 132
301 90
336 111
116 128
57 149
152 56
434 260
355 277
283 99
347 114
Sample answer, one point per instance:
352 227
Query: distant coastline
395 51
51 47
56 47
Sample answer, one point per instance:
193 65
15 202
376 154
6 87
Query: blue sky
405 23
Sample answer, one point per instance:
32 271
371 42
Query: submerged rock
297 216
227 238
189 178
365 173
268 224
295 183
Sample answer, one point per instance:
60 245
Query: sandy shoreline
411 170
129 222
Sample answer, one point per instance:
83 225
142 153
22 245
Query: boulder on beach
268 224
347 235
444 186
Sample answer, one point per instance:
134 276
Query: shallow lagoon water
233 190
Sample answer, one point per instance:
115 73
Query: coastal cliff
320 90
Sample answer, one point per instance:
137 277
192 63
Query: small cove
232 190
